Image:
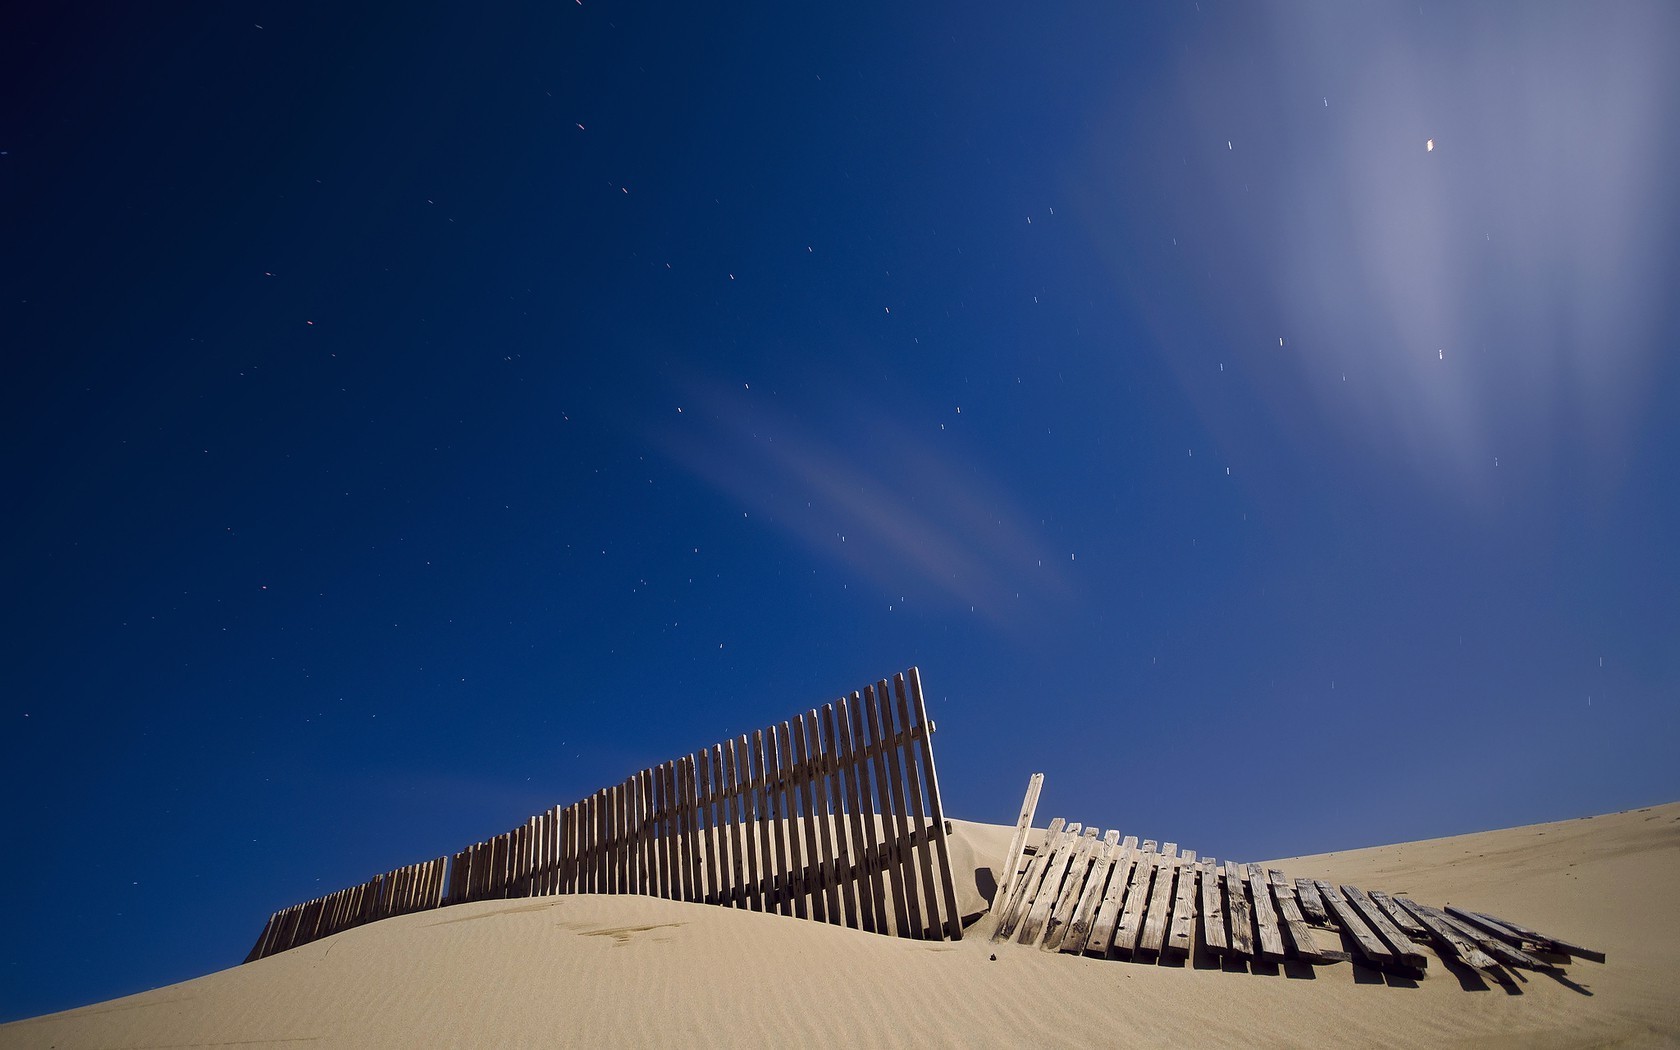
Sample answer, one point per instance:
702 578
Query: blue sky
419 417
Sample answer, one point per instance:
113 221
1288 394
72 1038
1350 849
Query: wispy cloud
874 495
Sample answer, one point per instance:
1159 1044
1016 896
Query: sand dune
638 971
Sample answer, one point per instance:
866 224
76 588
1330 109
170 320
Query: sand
639 971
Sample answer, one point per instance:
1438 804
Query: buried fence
833 815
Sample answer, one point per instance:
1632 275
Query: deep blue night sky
418 416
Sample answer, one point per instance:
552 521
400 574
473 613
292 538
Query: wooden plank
889 846
735 826
788 759
650 835
1296 933
1367 942
873 845
1379 921
1402 918
1078 932
770 864
1130 927
1114 894
832 762
1213 908
775 777
692 858
1238 912
1009 870
1311 905
1494 944
1538 939
806 780
744 799
1450 940
1073 890
922 730
1060 853
849 772
901 853
1265 918
714 818
928 829
1026 888
1181 935
662 800
825 833
1160 902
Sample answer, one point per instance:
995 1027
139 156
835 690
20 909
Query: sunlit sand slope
593 971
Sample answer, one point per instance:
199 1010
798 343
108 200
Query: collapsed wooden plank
1073 885
1505 952
1108 911
1011 867
1364 940
1055 867
1311 906
1449 939
1400 916
1130 926
1238 911
1026 888
1213 908
1160 903
1181 934
1542 941
1296 932
1265 918
1078 933
1385 928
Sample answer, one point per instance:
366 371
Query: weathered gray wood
1238 911
1402 918
1013 860
889 844
1078 932
1540 940
1213 908
1448 939
1026 888
746 800
1311 905
775 778
1396 939
931 884
1055 867
1073 887
1297 935
1270 940
1367 942
708 772
1130 927
1494 944
1113 898
1160 902
1181 935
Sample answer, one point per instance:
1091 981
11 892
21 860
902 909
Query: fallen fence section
833 815
1115 898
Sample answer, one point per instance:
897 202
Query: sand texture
600 970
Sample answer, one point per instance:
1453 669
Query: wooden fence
833 815
1114 898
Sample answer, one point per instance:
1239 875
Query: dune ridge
640 971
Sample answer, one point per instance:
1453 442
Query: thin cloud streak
872 495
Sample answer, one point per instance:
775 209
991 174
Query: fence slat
740 772
770 863
871 859
847 782
889 799
787 835
917 731
825 836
